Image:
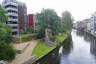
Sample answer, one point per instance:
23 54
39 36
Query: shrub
27 37
7 52
24 38
5 33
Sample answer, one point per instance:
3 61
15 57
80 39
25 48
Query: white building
36 27
17 15
93 22
12 12
89 26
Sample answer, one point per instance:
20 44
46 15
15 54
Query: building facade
17 15
22 15
32 21
12 12
93 22
80 25
86 21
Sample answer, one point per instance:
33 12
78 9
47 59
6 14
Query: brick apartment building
32 21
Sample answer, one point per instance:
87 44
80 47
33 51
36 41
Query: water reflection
67 48
83 50
92 40
79 33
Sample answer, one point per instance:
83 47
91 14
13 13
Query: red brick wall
30 20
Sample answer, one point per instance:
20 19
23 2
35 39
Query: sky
80 9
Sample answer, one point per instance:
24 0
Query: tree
30 30
5 30
67 21
3 17
7 52
48 17
5 33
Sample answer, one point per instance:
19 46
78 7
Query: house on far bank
87 24
93 22
80 25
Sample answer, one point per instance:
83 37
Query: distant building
80 25
86 21
84 24
22 16
32 21
17 15
93 22
89 26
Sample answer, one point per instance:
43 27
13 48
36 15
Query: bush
27 37
23 32
24 38
7 52
5 33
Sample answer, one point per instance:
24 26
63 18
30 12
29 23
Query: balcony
11 19
13 25
11 3
10 8
13 30
12 14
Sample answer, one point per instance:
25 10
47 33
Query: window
14 27
14 33
12 11
12 22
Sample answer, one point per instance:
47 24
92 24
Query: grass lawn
60 38
41 49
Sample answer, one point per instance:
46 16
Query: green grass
41 49
60 38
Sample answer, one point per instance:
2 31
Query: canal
79 48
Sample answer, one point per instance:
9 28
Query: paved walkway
27 53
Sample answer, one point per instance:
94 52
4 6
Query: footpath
26 53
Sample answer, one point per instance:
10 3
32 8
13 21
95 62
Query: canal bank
94 35
38 49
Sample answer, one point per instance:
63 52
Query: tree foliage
48 17
67 21
5 33
3 17
7 52
5 30
30 30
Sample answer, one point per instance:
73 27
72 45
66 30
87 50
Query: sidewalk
27 53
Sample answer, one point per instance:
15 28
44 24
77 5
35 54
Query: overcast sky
80 9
